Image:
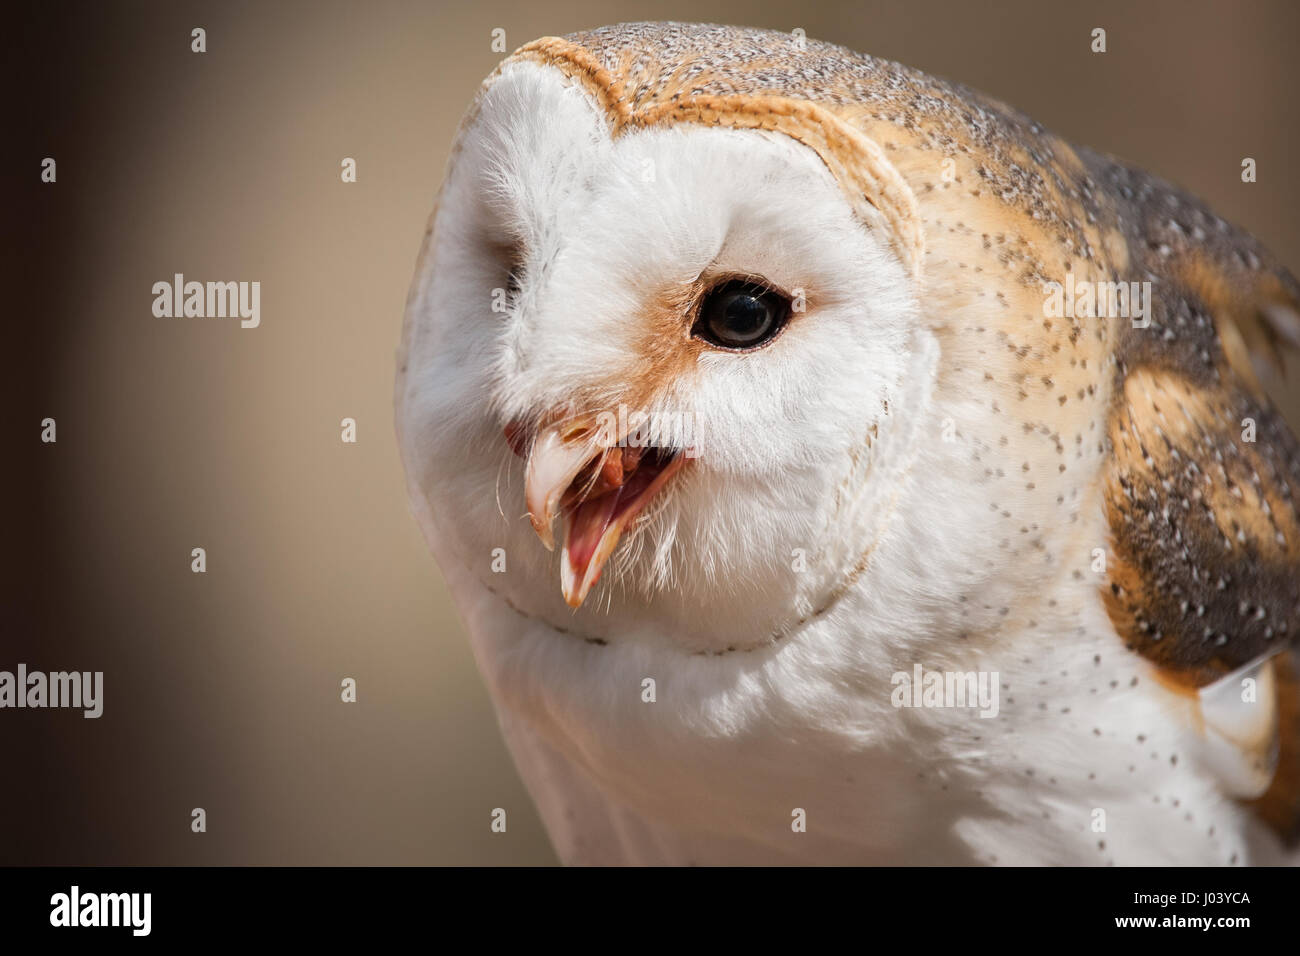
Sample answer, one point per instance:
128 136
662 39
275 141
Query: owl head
665 361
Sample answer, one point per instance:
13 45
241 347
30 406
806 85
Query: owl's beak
579 468
558 454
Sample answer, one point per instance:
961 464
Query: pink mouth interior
588 519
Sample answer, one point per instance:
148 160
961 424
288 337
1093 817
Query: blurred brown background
222 689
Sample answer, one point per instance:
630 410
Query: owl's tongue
595 516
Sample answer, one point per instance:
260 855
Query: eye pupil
746 316
740 315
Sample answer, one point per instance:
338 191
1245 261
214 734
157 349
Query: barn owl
832 465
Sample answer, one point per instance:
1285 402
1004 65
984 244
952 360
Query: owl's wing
1202 490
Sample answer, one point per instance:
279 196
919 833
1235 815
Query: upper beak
559 452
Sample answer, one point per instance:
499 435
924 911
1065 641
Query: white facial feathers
560 277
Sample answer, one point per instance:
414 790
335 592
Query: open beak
598 482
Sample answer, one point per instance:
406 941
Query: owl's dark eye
509 253
740 315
